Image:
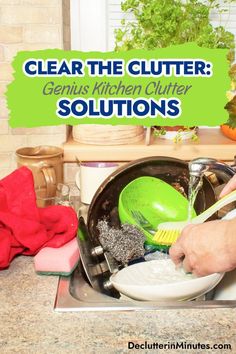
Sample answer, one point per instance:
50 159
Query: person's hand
229 187
206 248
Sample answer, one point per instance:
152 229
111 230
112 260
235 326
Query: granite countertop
29 324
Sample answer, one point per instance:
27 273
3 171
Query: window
228 20
93 23
115 16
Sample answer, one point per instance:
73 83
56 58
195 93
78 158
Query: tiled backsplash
28 25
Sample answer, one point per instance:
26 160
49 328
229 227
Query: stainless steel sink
75 294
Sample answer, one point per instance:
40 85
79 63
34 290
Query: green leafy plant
231 105
232 75
158 132
179 137
231 108
161 23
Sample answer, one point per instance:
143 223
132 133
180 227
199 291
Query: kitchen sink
87 289
74 293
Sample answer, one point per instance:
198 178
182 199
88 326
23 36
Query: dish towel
25 228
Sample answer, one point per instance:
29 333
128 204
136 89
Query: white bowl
184 135
145 281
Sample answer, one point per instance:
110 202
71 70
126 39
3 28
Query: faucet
198 166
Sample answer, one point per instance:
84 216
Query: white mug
90 176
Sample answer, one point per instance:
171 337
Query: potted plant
229 128
161 23
177 133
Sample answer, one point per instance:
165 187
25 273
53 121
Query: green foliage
161 23
231 122
160 131
231 105
178 138
231 108
232 73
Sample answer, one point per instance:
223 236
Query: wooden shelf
211 143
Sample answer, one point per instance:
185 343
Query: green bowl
156 200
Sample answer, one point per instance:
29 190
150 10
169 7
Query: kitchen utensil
124 244
90 176
155 200
57 260
168 232
142 221
158 280
46 164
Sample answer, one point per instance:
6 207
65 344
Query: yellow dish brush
168 232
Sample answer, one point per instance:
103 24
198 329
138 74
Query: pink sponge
57 261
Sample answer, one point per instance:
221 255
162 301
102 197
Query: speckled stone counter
28 323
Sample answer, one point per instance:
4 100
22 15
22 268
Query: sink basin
75 294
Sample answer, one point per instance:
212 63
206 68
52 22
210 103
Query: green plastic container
155 199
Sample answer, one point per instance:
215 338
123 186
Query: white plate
158 280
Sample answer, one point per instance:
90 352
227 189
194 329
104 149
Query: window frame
89 24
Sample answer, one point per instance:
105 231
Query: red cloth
25 228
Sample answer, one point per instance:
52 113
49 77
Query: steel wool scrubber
124 244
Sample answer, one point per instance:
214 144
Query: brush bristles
166 237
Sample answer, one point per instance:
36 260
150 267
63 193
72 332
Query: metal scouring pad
124 244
